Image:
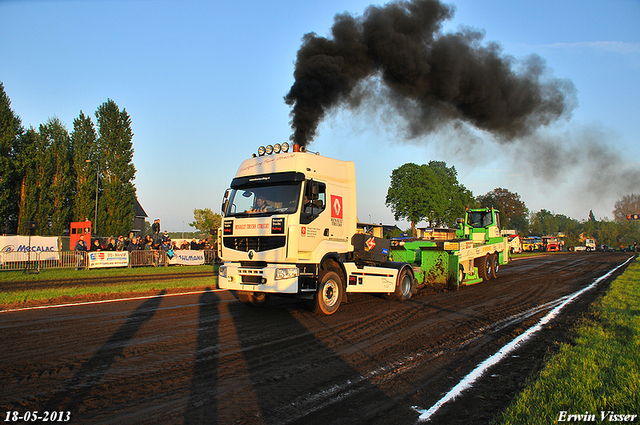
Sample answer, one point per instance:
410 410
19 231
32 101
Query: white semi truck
589 245
290 228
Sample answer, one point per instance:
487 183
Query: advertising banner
108 259
187 258
19 247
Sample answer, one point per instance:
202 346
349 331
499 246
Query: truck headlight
222 272
286 273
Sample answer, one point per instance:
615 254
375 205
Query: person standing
81 251
95 246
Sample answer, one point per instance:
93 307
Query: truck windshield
281 198
479 219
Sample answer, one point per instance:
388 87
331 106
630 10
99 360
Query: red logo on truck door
336 206
336 211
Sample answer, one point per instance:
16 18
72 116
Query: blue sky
204 84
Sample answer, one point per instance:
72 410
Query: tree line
431 193
54 177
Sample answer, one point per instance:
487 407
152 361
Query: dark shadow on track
296 377
202 407
78 388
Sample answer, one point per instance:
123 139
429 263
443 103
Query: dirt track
206 358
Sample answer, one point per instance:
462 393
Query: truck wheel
495 267
256 299
461 276
404 285
484 267
329 295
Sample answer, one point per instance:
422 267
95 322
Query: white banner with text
187 258
108 259
22 248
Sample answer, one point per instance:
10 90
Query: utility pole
95 219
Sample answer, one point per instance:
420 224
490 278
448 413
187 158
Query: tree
117 193
544 223
608 232
206 221
629 204
28 158
10 133
513 212
427 192
629 230
59 155
85 153
46 178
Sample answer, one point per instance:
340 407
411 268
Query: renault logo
251 254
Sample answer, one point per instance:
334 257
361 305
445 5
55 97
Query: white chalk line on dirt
312 402
475 374
146 297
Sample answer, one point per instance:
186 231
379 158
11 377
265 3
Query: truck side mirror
225 201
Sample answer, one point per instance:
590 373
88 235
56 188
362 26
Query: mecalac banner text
187 258
45 248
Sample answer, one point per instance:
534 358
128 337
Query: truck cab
482 225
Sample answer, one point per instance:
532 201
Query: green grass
124 288
73 291
600 372
62 274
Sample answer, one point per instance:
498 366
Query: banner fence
21 260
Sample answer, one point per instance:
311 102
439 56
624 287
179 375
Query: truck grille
258 244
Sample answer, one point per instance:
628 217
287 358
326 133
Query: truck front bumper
274 278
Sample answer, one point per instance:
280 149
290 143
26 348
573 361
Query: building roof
139 210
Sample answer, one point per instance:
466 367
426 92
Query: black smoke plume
454 76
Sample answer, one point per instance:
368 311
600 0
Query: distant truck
532 244
589 245
515 244
551 244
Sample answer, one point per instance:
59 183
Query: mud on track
206 358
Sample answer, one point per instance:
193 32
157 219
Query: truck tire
495 267
256 299
461 277
484 267
404 285
328 297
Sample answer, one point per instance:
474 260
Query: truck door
314 217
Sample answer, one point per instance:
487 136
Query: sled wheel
461 276
484 267
496 265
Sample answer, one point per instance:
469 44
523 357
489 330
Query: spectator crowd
154 241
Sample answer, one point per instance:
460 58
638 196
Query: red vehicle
551 244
